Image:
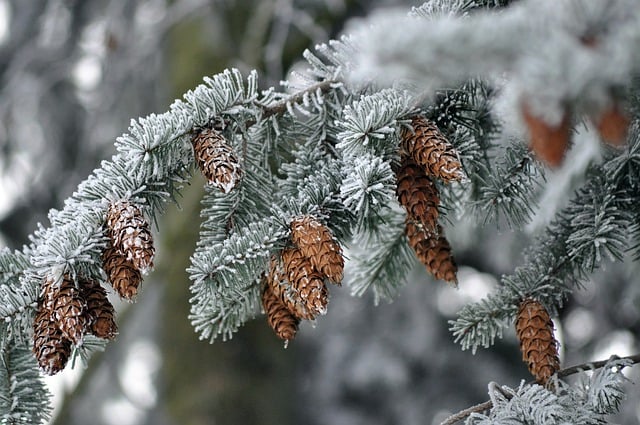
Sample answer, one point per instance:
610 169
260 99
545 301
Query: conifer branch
478 408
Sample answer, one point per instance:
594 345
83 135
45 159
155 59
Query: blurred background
72 75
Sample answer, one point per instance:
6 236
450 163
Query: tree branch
463 414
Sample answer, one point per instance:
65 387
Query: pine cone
431 150
537 343
100 313
418 194
306 281
433 250
281 320
130 235
68 308
548 142
613 125
316 242
216 160
281 288
50 347
123 275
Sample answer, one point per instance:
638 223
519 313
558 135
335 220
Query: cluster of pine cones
70 308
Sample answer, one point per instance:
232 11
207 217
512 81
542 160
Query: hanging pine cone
433 250
281 288
281 320
50 347
418 194
613 125
548 142
100 313
306 281
130 235
67 308
537 342
316 242
431 150
216 159
122 274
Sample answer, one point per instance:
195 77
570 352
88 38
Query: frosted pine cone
67 308
433 250
281 288
316 242
431 150
549 142
123 275
130 235
306 281
537 342
100 313
281 320
418 194
216 159
613 125
50 347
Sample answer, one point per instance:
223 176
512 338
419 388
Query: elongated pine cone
431 150
281 320
50 347
418 194
306 281
123 275
287 293
539 347
613 125
68 308
216 159
100 313
130 235
316 242
433 250
548 142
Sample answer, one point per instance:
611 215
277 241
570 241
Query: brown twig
463 414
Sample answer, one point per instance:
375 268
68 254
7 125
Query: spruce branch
563 373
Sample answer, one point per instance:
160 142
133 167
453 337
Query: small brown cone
306 281
613 126
216 160
281 320
130 235
68 309
548 142
433 250
316 242
50 347
537 342
431 150
281 288
100 313
122 274
418 194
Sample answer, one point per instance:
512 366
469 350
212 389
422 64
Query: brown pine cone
431 150
130 234
306 281
418 194
433 250
548 142
281 288
50 347
281 320
68 308
100 313
216 160
613 125
122 274
316 242
537 342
